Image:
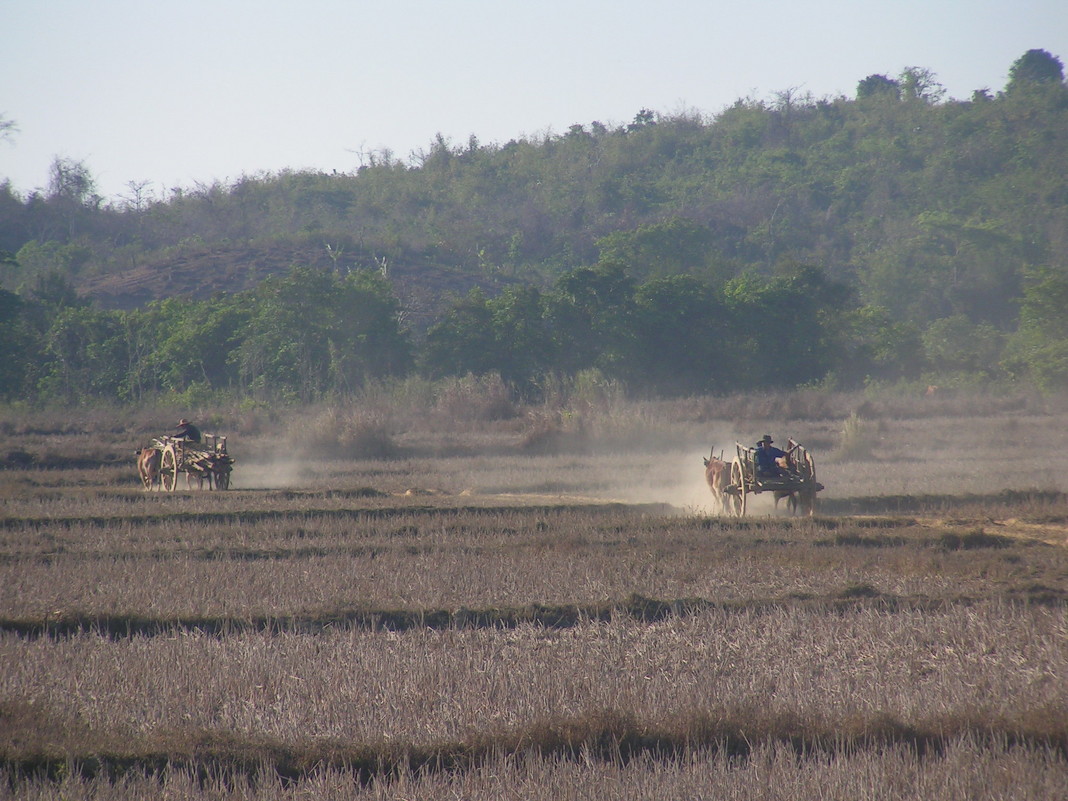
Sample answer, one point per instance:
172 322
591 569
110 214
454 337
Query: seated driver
187 431
767 459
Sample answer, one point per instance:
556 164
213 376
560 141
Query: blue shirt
765 459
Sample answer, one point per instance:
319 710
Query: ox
786 463
718 477
791 500
148 463
200 476
804 498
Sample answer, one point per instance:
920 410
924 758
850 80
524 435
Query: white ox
148 462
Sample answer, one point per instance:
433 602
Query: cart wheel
812 499
222 479
168 469
738 480
731 504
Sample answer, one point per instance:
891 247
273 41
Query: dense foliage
792 241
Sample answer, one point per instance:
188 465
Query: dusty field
485 614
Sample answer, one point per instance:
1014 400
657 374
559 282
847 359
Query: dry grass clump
473 399
856 441
554 432
350 433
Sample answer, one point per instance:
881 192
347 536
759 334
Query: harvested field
544 626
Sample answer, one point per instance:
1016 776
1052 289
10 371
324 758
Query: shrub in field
856 441
475 398
591 390
548 431
347 433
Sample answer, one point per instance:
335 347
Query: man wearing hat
187 431
766 456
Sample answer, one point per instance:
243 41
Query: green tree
682 337
669 247
789 327
878 86
191 342
523 341
87 357
463 341
875 344
368 340
19 349
69 180
312 332
591 316
1039 347
956 344
918 83
1035 67
40 263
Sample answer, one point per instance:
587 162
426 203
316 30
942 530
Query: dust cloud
676 478
275 474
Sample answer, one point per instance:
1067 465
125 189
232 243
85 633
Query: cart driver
187 431
766 458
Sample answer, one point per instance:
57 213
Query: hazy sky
177 92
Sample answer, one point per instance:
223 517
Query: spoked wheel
168 469
738 480
807 497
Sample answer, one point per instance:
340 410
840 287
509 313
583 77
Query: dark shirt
765 460
188 432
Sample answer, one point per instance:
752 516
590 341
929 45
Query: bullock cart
203 461
798 484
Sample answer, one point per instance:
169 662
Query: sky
185 93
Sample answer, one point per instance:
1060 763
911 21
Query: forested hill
945 219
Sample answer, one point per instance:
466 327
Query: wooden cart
204 461
798 486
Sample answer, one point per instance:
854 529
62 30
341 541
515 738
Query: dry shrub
780 405
592 391
248 418
547 431
475 399
347 433
857 441
591 412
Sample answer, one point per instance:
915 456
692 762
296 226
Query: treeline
317 334
791 241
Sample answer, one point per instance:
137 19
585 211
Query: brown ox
148 462
718 477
